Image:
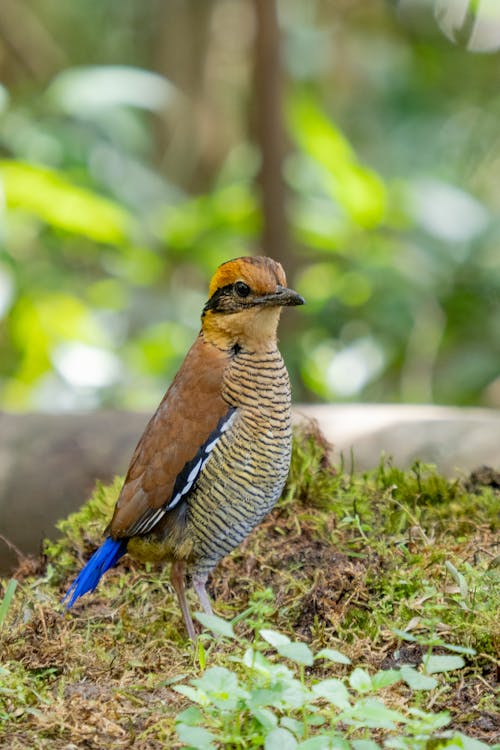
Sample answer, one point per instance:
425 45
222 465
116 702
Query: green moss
344 561
84 529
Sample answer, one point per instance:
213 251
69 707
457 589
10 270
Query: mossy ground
344 561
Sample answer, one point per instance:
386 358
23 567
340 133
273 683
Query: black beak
282 297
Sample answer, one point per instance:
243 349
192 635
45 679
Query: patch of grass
389 568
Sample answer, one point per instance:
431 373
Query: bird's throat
254 329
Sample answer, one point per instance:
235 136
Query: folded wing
176 443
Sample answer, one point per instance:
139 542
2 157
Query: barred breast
245 475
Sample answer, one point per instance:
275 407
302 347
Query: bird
213 460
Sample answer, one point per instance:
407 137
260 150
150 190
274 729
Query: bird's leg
199 583
177 576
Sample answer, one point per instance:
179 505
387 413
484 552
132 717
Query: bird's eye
242 289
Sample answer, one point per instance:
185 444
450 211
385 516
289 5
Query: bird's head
244 305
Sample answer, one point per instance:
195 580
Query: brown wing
189 412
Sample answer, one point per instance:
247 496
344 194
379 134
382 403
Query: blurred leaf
435 664
357 189
54 317
325 743
298 652
7 600
292 692
274 638
139 266
416 680
190 716
158 347
265 717
332 655
231 209
196 737
107 293
373 713
360 680
459 578
221 685
38 327
280 739
198 696
295 726
470 743
334 691
217 625
84 91
54 199
365 745
459 649
404 635
385 678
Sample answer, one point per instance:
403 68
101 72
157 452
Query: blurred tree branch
181 47
28 43
269 130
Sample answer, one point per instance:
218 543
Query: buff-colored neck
254 329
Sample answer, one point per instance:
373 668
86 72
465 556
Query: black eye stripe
226 298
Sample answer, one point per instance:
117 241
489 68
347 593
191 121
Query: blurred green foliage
127 176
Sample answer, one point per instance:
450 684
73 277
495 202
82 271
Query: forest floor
386 570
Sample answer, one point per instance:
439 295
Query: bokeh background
143 142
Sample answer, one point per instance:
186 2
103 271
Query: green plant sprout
268 700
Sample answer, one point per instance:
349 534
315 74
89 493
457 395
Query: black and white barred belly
247 469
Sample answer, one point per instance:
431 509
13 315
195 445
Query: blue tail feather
104 558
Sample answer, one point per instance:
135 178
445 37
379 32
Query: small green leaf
294 726
298 652
332 655
260 697
459 649
459 579
257 661
404 635
217 678
360 680
365 745
190 716
372 713
265 717
7 600
315 720
293 694
432 722
416 680
434 664
274 638
221 686
217 625
385 678
280 739
325 743
196 737
469 743
334 691
192 693
202 656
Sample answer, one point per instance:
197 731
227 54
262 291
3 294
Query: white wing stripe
194 473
